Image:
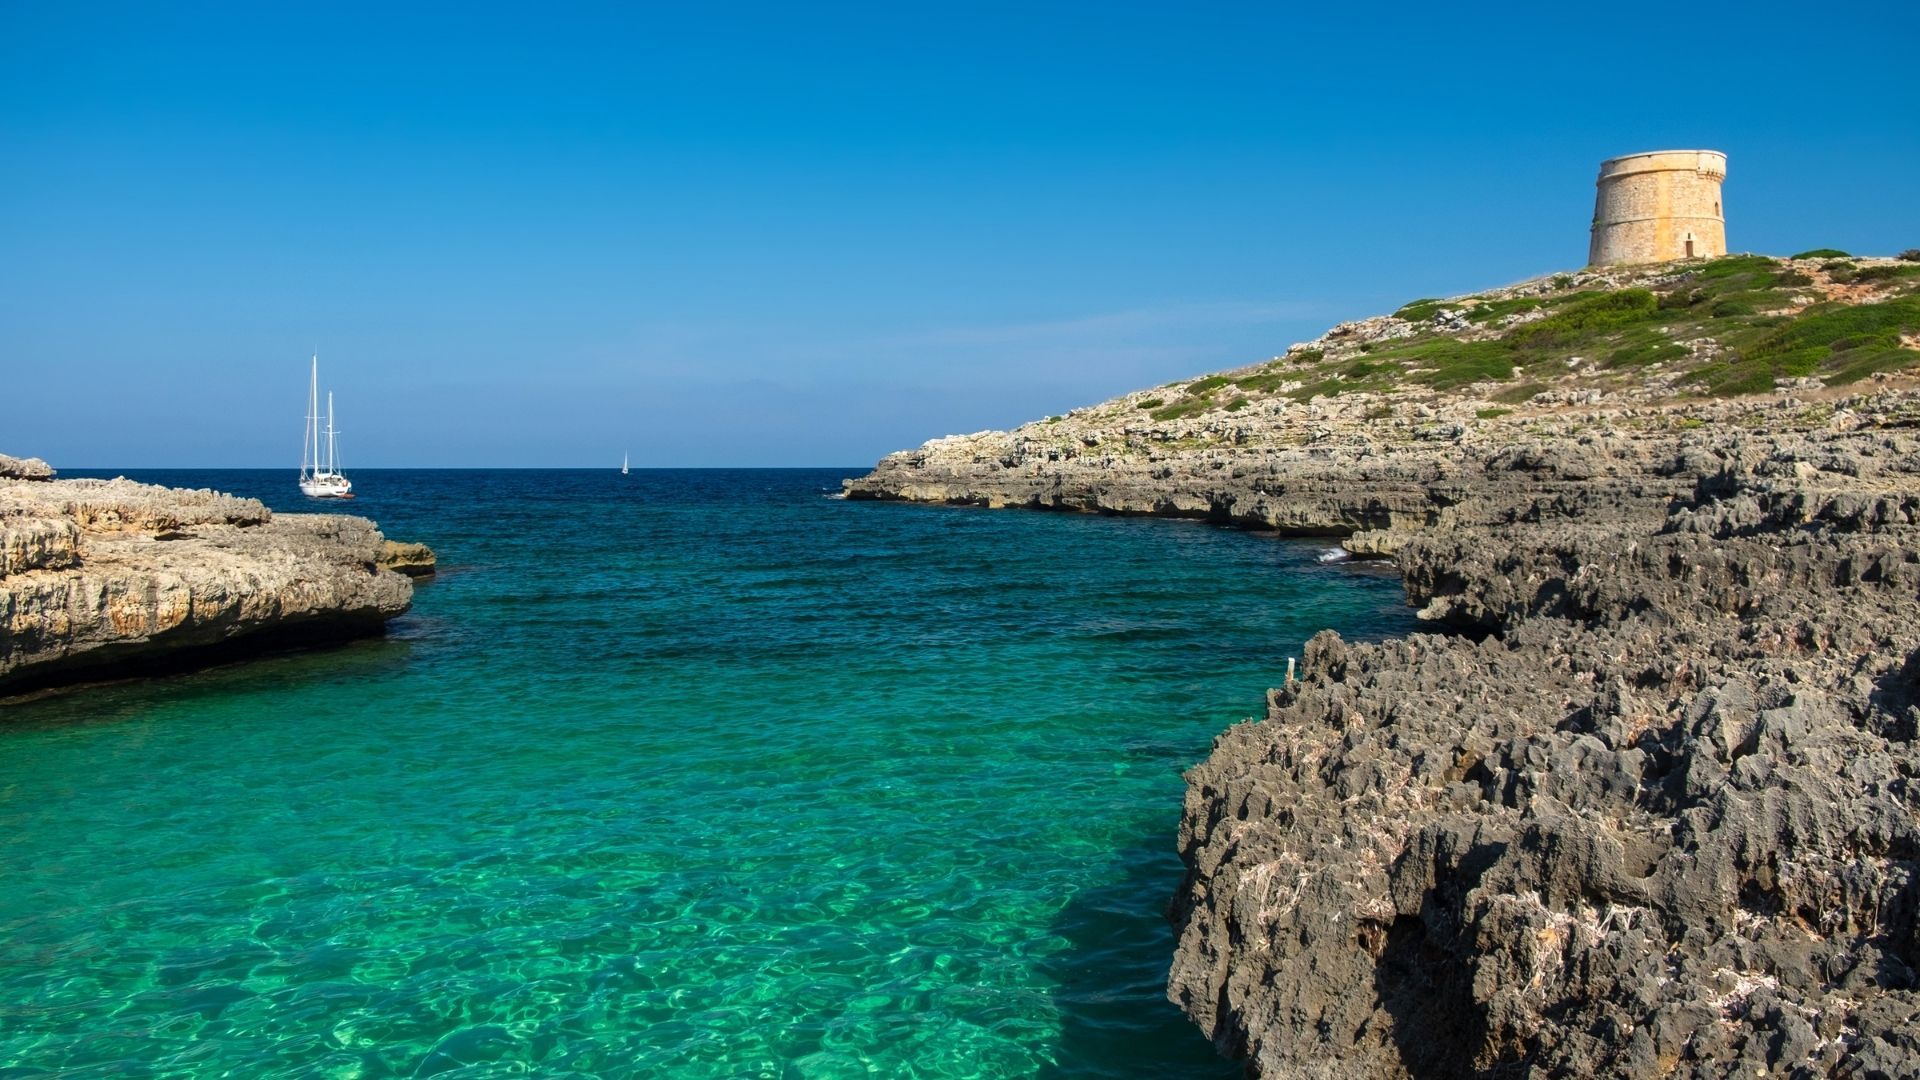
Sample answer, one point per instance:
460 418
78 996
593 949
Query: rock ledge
105 578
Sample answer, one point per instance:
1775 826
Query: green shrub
1689 423
1323 388
1361 369
1790 279
1823 253
1448 363
1420 310
1885 273
1680 299
1734 265
1150 403
1211 382
1909 255
1307 356
1732 307
1492 414
1643 349
1382 411
1520 394
1599 313
1562 281
1495 309
1182 409
1264 383
1842 343
1237 404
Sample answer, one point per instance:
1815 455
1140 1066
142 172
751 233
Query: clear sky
807 234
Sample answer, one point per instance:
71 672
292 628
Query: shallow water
678 774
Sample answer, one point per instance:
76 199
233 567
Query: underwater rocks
105 578
1647 808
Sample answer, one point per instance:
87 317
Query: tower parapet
1659 206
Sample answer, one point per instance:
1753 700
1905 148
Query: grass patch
1238 403
1210 383
1844 344
1444 363
1180 410
1520 394
1823 253
1264 383
1150 403
1607 311
1491 414
1736 266
1885 273
1644 348
1333 387
1499 309
1420 310
1307 356
1366 369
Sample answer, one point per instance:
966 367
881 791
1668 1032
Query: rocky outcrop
13 468
1646 807
101 578
1655 817
413 560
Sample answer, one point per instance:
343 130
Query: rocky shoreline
1645 806
104 579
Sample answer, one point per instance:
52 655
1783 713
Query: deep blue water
678 774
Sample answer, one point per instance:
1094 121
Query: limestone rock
13 468
100 578
1646 810
413 560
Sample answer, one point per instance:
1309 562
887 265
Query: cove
686 774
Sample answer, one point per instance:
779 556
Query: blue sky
744 234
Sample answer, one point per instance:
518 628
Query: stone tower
1659 206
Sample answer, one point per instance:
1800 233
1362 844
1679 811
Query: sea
683 774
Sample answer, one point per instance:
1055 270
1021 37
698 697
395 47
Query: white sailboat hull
320 478
327 487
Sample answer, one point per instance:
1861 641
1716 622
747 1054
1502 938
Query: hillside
1667 336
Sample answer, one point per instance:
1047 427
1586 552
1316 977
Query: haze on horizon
766 235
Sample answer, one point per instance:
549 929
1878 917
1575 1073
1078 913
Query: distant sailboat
623 464
321 479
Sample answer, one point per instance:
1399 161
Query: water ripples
685 775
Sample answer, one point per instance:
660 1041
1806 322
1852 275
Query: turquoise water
683 774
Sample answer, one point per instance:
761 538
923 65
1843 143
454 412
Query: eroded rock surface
413 560
103 577
1648 808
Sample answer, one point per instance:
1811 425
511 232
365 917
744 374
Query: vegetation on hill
1729 326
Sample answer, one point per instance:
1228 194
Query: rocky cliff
1646 805
100 578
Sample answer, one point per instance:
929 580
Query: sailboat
623 464
321 479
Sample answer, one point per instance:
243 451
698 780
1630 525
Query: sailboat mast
310 445
332 465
